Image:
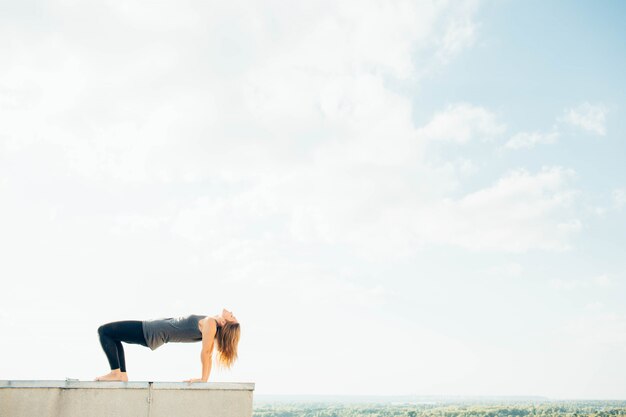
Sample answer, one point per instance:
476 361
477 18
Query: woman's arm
206 359
208 336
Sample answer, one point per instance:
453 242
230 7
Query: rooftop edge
73 384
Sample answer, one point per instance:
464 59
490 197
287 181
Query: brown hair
227 338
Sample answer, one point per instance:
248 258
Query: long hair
227 338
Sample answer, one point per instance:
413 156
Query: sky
393 197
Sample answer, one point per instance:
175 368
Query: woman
222 328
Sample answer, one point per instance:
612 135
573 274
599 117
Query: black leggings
113 334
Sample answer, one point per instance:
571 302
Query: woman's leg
111 337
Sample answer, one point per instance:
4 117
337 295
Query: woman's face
228 316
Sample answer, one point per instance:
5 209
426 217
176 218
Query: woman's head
227 338
228 315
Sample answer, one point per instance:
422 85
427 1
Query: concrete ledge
121 399
244 386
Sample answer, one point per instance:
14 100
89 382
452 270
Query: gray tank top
174 329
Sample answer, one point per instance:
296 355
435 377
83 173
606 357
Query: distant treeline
570 409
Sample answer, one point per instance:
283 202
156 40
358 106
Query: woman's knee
102 330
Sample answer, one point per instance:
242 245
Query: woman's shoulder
209 321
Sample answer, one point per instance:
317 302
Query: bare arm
206 354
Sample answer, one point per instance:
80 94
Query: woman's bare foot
114 375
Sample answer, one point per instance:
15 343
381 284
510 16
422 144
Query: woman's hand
194 380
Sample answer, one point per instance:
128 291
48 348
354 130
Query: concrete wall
122 399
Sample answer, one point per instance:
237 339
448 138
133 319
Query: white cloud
529 140
617 202
511 269
459 35
383 213
302 129
228 91
619 198
520 211
462 123
594 306
598 327
599 281
591 118
137 222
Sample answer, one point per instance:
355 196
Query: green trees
454 409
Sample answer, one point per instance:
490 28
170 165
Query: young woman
222 329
